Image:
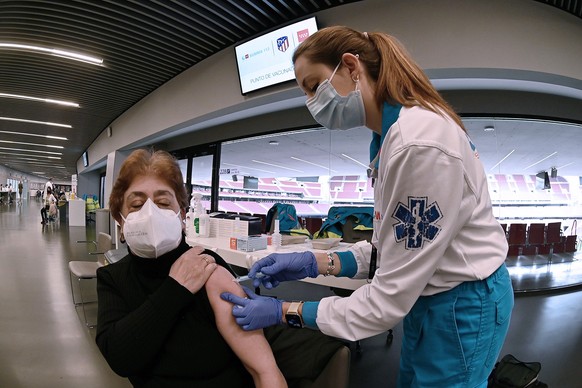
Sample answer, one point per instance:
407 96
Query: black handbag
509 372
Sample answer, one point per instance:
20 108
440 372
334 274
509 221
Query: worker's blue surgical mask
150 232
333 111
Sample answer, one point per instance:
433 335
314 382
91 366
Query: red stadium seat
559 247
571 243
529 250
517 234
514 250
553 232
544 249
535 234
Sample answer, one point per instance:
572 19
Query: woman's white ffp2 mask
150 232
333 111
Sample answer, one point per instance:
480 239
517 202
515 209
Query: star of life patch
417 222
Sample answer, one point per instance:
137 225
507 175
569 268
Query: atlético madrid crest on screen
283 44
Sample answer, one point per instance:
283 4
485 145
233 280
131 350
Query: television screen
250 182
266 60
85 159
543 181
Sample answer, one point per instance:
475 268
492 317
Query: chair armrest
88 242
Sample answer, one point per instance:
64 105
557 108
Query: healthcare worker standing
438 250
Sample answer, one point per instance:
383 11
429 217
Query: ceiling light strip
26 150
31 144
501 161
36 122
42 164
278 166
15 159
565 165
355 161
31 156
47 100
313 164
250 168
539 161
51 51
34 134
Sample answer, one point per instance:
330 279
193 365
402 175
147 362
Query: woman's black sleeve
130 340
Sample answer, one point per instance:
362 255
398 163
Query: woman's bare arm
251 347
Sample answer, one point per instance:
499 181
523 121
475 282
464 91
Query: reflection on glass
201 177
183 163
531 169
312 169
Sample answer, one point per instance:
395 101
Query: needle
246 277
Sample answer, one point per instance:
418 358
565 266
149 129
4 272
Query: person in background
62 198
49 200
10 193
161 321
20 188
47 185
437 253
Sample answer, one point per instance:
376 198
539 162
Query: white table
242 259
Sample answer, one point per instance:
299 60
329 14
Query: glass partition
197 164
531 169
312 169
529 165
201 178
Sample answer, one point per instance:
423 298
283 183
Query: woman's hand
193 269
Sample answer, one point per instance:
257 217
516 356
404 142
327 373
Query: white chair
86 270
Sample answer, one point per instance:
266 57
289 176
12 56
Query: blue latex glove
256 312
280 267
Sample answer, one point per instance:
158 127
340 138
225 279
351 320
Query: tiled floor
544 273
44 342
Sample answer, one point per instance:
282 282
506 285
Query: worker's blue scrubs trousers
453 339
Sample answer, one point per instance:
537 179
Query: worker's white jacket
433 226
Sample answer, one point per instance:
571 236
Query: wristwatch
292 316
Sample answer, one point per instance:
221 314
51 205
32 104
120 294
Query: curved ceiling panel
143 44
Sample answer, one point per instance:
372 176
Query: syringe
239 279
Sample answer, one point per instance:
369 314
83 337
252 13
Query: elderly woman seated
161 321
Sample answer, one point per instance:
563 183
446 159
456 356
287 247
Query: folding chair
553 232
572 239
554 238
517 234
516 239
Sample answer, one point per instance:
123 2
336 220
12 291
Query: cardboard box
250 243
